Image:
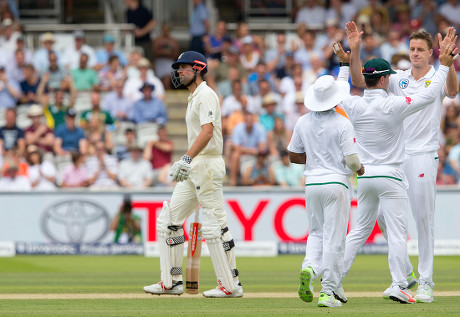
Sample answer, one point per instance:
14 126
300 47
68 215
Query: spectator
260 173
312 14
29 85
10 135
199 26
248 138
20 45
265 88
14 68
260 73
59 78
42 173
110 74
11 181
55 113
454 156
96 111
275 58
450 121
149 108
298 110
341 11
267 118
121 151
249 57
450 10
69 137
166 50
278 138
238 100
9 36
225 87
71 58
41 56
38 133
10 91
134 171
142 18
132 85
370 48
215 43
288 174
229 60
303 54
96 131
75 175
103 55
446 174
102 168
317 69
393 45
115 103
425 12
126 225
85 78
159 153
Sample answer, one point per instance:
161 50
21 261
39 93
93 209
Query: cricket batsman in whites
199 175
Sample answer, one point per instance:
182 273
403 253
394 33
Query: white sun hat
326 93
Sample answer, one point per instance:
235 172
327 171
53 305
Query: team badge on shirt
427 83
403 83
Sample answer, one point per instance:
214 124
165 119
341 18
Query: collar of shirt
430 73
197 90
375 93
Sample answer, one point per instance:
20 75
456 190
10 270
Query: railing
276 10
38 10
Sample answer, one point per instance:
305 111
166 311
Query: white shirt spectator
71 57
135 172
312 17
132 85
450 12
19 183
93 165
231 104
46 168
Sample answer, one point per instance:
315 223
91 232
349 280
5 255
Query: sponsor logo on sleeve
403 83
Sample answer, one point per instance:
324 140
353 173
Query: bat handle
197 215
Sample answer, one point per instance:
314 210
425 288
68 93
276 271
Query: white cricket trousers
328 209
384 186
421 173
203 187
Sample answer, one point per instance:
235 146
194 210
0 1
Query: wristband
344 64
186 158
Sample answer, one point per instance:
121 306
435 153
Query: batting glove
180 170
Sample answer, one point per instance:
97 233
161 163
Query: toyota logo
75 221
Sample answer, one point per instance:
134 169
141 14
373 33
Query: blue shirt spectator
69 134
119 106
9 90
149 109
249 139
102 55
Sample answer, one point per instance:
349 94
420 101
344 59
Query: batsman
199 174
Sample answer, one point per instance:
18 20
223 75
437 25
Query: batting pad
171 248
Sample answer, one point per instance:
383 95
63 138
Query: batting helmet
197 60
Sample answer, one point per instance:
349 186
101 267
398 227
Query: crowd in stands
96 117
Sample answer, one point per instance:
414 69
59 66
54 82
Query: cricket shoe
424 293
339 294
401 295
325 300
306 284
222 292
177 288
411 282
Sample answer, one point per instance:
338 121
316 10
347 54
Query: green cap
376 67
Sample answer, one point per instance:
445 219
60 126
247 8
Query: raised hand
341 54
450 38
353 35
447 55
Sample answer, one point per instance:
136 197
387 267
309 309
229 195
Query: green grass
128 274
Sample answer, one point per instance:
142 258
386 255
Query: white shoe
159 289
411 282
222 292
387 293
339 294
325 300
424 293
401 295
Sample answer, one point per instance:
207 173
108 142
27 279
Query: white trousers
204 187
384 186
421 173
328 208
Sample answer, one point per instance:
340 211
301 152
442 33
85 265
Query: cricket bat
192 273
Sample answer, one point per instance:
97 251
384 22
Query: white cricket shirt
422 129
203 107
326 138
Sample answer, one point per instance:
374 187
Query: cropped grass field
112 286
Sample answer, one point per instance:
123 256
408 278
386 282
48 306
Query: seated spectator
425 11
260 74
303 54
393 45
454 156
259 173
288 174
450 121
317 70
298 111
102 168
249 57
225 87
214 44
85 78
264 90
42 173
311 14
96 131
69 137
14 68
121 151
149 108
9 35
21 46
144 75
229 60
267 118
41 56
29 85
108 75
278 138
55 112
75 175
57 76
10 91
166 50
119 106
10 135
39 133
159 153
96 110
446 174
134 171
11 181
450 10
71 58
276 57
248 139
103 55
370 48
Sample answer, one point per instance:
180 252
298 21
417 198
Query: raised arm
354 41
451 87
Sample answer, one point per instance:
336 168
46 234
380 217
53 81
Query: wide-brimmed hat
269 99
326 93
376 67
147 85
143 62
35 111
47 37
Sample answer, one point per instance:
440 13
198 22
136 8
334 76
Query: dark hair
372 82
75 156
422 35
127 204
